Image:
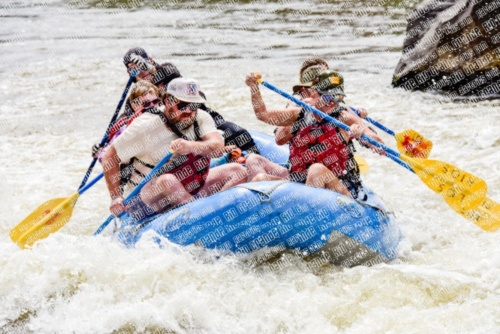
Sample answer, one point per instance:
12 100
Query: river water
61 78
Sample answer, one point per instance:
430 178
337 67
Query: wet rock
452 47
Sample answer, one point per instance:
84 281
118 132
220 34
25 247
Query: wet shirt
148 139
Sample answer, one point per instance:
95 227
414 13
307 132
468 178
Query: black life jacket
233 134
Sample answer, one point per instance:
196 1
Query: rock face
452 47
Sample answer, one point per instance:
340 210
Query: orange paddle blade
413 144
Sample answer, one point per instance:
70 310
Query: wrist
116 197
254 89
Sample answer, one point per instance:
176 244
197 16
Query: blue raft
276 217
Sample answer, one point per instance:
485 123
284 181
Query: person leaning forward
320 153
160 75
143 95
148 69
182 128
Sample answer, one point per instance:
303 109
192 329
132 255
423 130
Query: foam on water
54 109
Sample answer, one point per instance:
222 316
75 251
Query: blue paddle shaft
104 225
391 153
377 124
136 190
90 184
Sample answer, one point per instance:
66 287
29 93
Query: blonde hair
140 88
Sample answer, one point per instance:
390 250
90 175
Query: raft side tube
268 148
310 222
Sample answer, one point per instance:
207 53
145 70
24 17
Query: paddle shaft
410 143
113 119
136 191
90 184
391 154
374 122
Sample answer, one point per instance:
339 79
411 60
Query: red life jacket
321 143
191 170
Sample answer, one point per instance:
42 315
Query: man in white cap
161 75
182 128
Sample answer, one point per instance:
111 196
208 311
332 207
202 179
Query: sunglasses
133 70
328 98
153 103
192 106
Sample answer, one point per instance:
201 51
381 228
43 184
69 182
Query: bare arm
278 117
211 142
351 119
358 128
363 113
283 134
111 166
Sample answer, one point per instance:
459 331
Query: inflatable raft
264 220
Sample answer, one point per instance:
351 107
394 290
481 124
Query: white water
59 93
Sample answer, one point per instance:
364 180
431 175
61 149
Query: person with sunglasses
148 69
160 75
143 95
180 127
310 68
320 153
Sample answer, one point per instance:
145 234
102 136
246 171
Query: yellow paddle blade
463 192
34 217
363 165
413 144
487 215
46 219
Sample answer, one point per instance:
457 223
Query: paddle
462 191
136 191
53 214
47 218
113 119
409 142
362 164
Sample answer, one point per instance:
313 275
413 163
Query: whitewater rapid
58 93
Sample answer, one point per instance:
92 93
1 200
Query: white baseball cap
185 89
